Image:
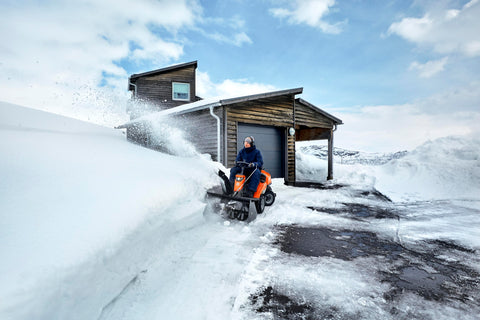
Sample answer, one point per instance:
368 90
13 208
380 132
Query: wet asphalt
422 270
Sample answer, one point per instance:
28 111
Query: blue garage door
270 141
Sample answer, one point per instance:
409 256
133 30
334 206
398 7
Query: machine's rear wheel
260 204
269 196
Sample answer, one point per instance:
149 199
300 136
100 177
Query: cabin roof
162 70
210 102
317 109
216 102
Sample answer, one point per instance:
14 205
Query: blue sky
341 69
397 72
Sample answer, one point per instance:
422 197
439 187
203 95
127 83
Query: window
181 91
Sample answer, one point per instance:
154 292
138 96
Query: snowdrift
446 168
71 191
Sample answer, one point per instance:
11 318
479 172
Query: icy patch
311 288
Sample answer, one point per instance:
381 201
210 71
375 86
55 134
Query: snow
188 107
70 190
447 168
95 227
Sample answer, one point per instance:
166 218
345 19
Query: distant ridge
352 157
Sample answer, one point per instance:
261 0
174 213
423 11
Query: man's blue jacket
251 155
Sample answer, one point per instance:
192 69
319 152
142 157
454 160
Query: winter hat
250 140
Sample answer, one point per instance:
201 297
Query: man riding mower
248 190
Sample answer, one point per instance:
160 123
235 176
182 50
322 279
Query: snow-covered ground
447 168
94 227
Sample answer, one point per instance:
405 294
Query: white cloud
242 87
396 128
445 30
237 40
430 68
228 88
472 48
455 100
241 38
231 30
413 29
54 54
451 14
309 12
404 127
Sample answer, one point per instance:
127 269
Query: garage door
270 141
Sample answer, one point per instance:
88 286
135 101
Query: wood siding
308 134
232 130
306 116
276 112
139 133
200 129
291 159
157 89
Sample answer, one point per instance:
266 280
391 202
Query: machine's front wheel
243 213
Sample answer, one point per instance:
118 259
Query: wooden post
330 156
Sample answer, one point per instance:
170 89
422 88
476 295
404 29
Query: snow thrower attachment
234 202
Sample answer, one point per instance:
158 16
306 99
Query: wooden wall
306 116
200 128
306 134
158 88
291 165
276 111
138 133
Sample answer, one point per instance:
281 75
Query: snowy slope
71 192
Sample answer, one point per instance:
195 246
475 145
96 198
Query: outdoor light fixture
291 131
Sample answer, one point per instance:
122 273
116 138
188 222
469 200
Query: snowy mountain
94 227
344 156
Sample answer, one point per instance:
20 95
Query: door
270 142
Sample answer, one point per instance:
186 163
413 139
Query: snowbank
446 168
71 189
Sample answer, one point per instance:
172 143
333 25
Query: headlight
239 178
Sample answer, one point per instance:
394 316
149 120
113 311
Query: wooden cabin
168 87
276 120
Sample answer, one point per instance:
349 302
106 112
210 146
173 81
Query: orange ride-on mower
231 201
